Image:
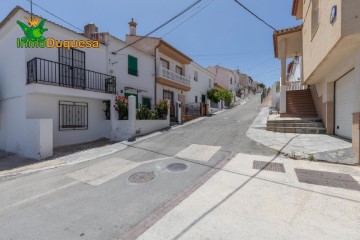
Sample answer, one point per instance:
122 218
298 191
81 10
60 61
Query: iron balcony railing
173 76
58 74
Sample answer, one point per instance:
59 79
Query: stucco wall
202 85
47 107
316 47
146 70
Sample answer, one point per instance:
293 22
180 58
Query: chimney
132 25
90 29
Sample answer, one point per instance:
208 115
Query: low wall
122 130
125 129
147 126
38 143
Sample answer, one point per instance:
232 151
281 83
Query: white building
50 96
229 79
175 71
201 81
134 70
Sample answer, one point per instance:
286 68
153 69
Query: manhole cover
269 166
142 177
328 179
177 167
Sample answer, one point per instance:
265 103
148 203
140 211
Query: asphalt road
95 200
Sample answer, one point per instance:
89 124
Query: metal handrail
54 73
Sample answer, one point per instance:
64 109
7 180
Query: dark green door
146 102
136 96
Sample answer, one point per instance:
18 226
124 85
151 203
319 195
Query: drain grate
274 167
141 177
177 167
328 179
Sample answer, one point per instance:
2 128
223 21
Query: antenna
31 9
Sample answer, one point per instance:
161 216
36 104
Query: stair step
286 124
302 130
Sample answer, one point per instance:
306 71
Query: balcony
173 79
57 74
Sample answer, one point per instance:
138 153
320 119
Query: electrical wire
161 26
188 18
252 13
61 19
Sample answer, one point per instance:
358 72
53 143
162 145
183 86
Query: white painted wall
29 123
202 85
40 106
125 129
119 65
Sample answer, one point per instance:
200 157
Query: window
210 83
179 70
164 63
196 76
315 17
73 116
230 80
196 99
132 65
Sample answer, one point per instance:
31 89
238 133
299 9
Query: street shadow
231 194
9 161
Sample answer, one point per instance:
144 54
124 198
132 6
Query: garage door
344 101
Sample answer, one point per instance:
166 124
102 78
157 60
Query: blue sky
220 33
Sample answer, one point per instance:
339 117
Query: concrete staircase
296 125
300 104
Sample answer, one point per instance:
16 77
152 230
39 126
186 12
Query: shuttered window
132 65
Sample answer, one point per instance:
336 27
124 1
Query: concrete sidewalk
315 147
240 202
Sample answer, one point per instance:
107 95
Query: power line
188 18
61 19
252 13
161 26
229 54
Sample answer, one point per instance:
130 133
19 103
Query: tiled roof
288 30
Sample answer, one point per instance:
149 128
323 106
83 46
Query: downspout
155 95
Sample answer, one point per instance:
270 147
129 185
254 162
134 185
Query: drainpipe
155 59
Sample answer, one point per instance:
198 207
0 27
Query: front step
301 130
296 125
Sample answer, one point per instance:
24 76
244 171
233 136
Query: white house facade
50 96
134 70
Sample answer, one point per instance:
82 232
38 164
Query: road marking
30 199
198 152
104 171
148 222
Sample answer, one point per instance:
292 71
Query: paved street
210 192
95 200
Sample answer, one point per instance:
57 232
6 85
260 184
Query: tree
225 95
211 94
261 85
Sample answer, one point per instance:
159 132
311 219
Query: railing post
35 70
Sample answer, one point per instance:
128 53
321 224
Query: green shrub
162 109
143 113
